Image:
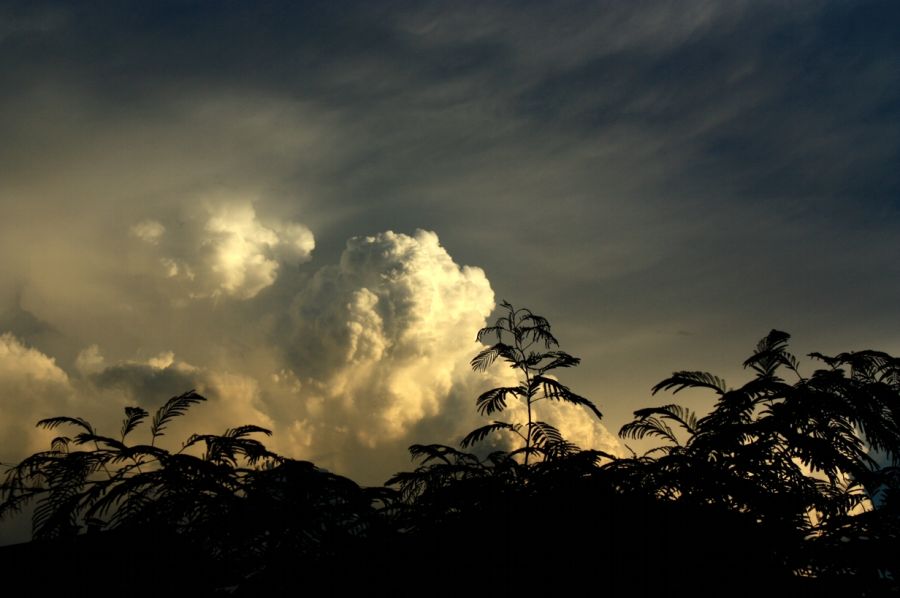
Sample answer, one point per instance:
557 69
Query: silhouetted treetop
790 482
524 341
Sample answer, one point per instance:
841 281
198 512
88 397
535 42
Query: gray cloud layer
664 182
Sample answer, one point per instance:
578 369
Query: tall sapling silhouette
525 343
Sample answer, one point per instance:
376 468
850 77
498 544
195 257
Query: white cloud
89 360
149 231
369 356
372 356
380 345
32 387
224 250
237 252
295 242
380 337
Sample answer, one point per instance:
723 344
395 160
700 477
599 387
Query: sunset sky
306 210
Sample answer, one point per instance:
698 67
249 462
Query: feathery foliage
222 500
173 408
526 344
783 483
796 457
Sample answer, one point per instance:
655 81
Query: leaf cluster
526 344
796 456
788 478
227 495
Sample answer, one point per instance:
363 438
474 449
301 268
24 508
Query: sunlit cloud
382 343
625 170
379 337
233 399
148 231
32 387
370 355
224 250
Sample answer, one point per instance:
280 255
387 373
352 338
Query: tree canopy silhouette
798 458
789 481
238 506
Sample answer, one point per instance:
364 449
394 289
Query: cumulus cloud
380 345
224 250
146 382
148 231
32 387
349 366
379 337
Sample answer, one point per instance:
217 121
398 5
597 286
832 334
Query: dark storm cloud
26 326
145 383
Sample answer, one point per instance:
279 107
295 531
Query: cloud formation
368 355
396 319
32 387
232 399
403 314
381 341
628 170
223 250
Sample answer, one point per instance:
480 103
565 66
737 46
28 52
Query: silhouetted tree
794 456
783 484
239 510
525 343
108 483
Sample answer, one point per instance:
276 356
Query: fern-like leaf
495 399
560 359
133 417
479 434
486 357
649 422
646 424
557 391
54 422
684 416
682 380
112 443
432 452
173 408
543 433
489 330
60 444
539 330
771 352
243 431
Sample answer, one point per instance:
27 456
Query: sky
306 210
